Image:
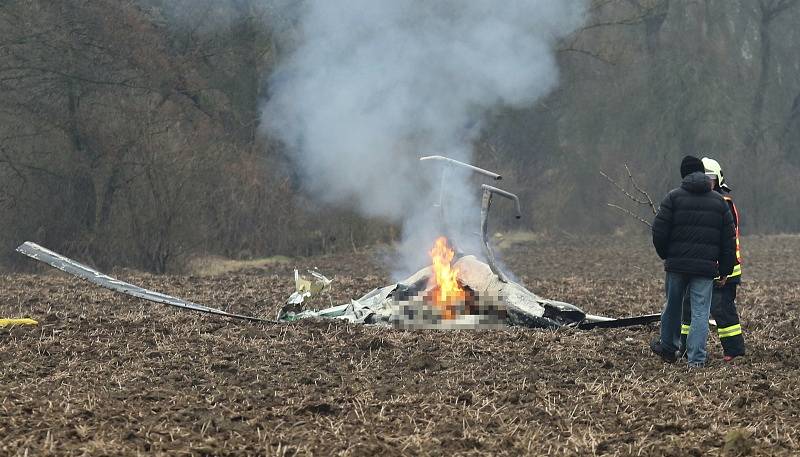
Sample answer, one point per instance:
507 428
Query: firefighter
723 300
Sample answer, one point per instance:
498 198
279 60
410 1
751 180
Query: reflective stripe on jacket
737 267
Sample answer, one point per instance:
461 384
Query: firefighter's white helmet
714 170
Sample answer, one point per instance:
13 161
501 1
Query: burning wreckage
456 291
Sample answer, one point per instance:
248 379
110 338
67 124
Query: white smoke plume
375 84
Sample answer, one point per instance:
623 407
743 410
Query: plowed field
105 374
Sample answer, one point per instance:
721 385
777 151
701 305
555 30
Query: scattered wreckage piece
18 321
305 288
82 271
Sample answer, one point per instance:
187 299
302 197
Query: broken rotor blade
448 160
82 271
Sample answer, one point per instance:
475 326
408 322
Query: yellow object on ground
12 322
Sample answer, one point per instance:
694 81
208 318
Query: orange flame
446 291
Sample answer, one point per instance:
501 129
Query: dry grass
216 266
507 240
109 375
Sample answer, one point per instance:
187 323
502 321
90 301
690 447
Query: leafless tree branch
644 200
587 53
641 191
771 10
630 213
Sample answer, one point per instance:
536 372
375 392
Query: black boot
667 356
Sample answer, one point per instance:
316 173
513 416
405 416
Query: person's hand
720 282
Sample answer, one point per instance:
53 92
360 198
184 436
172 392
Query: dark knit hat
691 164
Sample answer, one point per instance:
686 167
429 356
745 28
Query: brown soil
105 374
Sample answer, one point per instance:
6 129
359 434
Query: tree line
129 129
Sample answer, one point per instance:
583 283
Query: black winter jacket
693 231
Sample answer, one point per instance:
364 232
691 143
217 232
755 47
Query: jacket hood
697 183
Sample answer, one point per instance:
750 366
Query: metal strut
448 162
486 203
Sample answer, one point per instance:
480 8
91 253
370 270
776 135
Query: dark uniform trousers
723 304
723 311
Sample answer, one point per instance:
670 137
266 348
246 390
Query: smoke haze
374 85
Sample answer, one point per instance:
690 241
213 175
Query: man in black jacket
693 232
